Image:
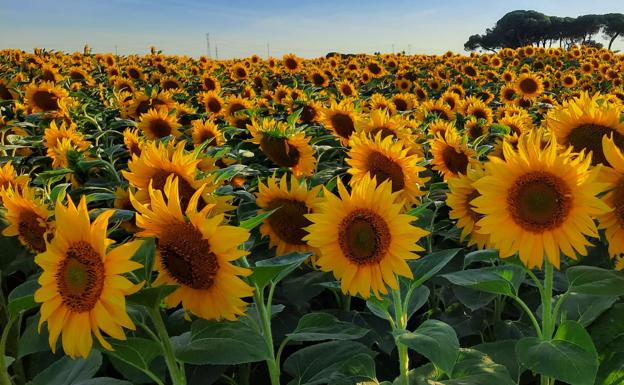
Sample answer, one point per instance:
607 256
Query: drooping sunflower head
451 155
133 141
195 251
158 124
27 217
543 199
582 122
82 288
206 131
53 135
341 118
363 238
386 160
285 227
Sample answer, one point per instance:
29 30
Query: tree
613 26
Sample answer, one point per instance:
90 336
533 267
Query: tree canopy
521 28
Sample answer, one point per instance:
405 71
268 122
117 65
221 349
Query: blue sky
242 28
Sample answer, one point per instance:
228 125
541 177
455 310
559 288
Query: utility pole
216 52
208 44
268 52
409 49
116 50
393 48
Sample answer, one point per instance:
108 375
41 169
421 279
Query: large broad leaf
136 352
67 371
417 298
606 329
480 256
496 279
435 340
275 269
103 381
595 281
611 371
22 297
330 362
569 357
31 341
221 343
476 368
504 353
426 267
585 308
323 326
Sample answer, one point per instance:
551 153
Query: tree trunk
613 39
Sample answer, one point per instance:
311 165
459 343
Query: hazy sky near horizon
242 28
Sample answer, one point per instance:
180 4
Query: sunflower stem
177 376
547 315
400 323
264 310
5 379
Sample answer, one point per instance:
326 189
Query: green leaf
22 297
416 211
103 381
380 307
504 353
31 341
585 308
323 326
275 269
417 298
476 368
496 279
136 352
435 340
595 281
606 329
480 256
255 221
67 371
329 361
570 357
152 296
8 360
426 267
221 343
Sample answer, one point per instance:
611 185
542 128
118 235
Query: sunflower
59 153
292 63
195 252
133 141
346 89
341 118
613 221
379 102
285 227
54 134
450 154
363 238
82 287
379 121
283 146
582 122
157 124
439 127
210 83
142 103
462 192
46 97
543 199
435 109
529 86
6 90
10 179
508 94
213 103
386 160
238 72
27 217
206 130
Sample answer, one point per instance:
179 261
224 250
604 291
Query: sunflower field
352 219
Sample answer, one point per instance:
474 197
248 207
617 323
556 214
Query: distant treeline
521 28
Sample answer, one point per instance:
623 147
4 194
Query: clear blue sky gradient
242 28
